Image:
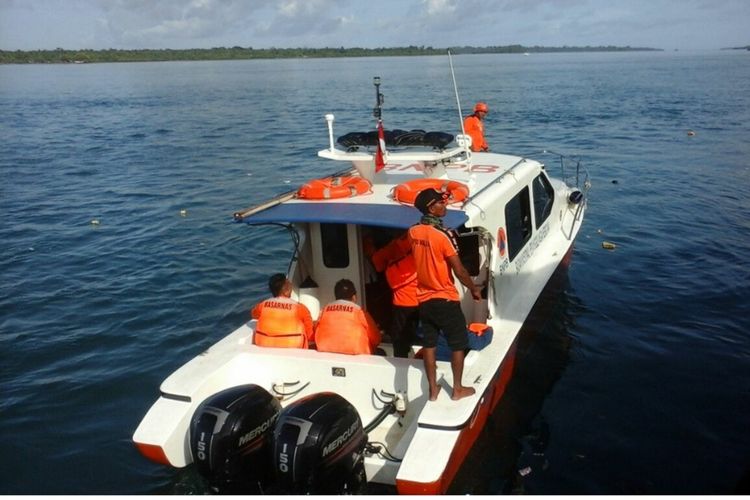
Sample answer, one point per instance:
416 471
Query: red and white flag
379 161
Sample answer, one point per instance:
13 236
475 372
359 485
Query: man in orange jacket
282 321
401 273
345 327
436 256
474 127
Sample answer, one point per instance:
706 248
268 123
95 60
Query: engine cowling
318 447
230 439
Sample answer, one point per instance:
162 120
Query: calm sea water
633 376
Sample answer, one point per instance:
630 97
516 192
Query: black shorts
403 329
443 315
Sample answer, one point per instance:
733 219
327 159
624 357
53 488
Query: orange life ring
407 192
334 187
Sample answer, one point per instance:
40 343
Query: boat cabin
498 227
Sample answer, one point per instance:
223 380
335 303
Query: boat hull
487 405
468 435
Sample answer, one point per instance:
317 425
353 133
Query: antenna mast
377 112
455 89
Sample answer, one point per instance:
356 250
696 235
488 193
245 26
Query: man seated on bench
345 327
282 321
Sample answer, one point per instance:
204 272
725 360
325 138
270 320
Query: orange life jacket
346 328
474 128
281 323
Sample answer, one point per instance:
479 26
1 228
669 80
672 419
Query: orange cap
480 106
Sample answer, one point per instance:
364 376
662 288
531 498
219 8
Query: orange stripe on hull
153 452
468 435
565 262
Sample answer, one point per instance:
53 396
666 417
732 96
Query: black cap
426 198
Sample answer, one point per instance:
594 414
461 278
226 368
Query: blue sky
178 24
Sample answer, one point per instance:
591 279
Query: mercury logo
258 430
341 439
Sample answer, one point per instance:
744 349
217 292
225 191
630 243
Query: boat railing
497 179
572 171
395 154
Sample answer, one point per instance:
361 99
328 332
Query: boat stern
162 435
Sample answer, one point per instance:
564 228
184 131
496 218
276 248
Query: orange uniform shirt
474 127
346 328
400 270
431 247
282 322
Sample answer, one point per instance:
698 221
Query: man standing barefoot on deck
436 255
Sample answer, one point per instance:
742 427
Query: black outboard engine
230 439
319 447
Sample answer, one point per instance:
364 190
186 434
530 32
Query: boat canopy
395 216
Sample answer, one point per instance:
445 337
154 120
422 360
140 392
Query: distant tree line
60 55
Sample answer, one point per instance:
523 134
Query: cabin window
468 251
335 245
518 222
544 195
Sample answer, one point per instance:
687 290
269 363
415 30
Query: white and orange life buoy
407 192
334 187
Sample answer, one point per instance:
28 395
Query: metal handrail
581 175
470 199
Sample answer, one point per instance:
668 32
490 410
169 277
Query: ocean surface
119 261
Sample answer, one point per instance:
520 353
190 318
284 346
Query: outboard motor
230 439
319 447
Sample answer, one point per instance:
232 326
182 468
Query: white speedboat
300 421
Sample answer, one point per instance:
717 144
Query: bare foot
434 393
462 392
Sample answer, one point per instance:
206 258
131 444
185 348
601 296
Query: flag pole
378 111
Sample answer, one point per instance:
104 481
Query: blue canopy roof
396 216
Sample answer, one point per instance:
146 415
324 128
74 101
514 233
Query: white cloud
32 24
175 23
439 7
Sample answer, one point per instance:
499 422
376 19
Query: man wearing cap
474 127
436 257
